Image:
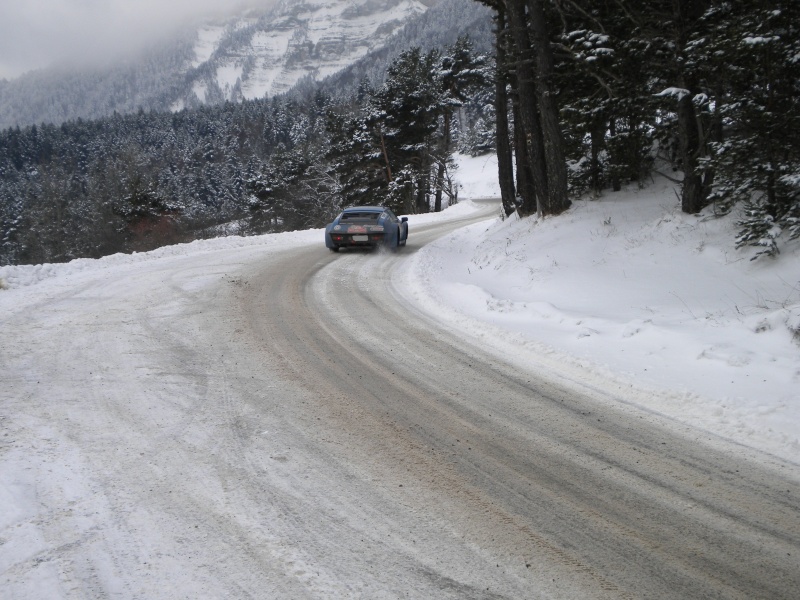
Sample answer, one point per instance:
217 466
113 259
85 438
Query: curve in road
564 495
252 423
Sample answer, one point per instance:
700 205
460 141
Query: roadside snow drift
628 293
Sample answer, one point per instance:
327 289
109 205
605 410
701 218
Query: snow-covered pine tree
403 115
461 75
355 159
757 161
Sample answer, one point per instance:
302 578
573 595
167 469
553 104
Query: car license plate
360 238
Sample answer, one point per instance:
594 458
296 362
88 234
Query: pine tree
403 116
461 74
355 160
757 161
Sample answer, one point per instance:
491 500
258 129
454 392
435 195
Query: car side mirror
404 220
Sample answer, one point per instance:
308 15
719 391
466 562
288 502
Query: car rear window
360 217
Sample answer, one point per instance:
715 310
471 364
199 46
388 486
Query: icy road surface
250 423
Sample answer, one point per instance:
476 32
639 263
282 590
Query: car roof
365 209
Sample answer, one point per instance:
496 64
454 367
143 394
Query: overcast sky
37 33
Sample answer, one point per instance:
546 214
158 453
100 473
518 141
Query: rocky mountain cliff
250 55
261 56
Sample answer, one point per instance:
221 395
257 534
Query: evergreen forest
576 97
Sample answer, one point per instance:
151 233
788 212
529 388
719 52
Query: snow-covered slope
628 294
253 57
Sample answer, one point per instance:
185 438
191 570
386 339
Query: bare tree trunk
616 184
692 194
386 158
505 165
445 152
526 205
423 190
528 110
597 139
557 200
437 203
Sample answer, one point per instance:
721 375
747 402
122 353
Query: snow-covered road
273 421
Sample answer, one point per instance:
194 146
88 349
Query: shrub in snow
793 321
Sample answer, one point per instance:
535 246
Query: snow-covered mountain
254 56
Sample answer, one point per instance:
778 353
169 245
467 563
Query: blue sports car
366 226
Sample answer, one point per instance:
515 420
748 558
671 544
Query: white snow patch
208 39
228 75
674 92
629 293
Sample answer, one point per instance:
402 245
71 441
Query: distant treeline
136 182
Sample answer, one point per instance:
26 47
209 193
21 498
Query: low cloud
38 33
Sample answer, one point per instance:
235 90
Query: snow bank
26 275
629 294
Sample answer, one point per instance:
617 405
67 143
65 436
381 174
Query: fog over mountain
261 50
38 34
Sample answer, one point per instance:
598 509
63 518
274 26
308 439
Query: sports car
366 226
